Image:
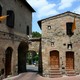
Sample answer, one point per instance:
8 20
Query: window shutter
69 29
0 10
10 19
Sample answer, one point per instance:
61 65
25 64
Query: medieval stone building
61 44
14 32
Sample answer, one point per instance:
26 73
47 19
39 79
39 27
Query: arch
22 51
7 45
8 58
69 60
54 59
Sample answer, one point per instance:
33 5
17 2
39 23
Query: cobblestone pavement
35 76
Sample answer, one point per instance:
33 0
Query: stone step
55 76
71 73
53 73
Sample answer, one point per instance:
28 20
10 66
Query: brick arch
8 45
54 59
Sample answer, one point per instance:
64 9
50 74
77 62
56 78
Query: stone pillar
40 68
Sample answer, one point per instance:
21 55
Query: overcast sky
47 8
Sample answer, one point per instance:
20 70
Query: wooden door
54 59
69 60
8 56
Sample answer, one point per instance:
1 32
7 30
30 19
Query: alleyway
35 76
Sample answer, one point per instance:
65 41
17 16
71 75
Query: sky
48 8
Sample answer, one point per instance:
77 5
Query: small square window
49 27
69 46
52 43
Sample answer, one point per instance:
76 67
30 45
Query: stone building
14 32
60 46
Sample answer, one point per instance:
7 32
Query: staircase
53 73
70 73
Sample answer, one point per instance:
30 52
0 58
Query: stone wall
34 46
23 16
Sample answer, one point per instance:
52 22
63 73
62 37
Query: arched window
10 19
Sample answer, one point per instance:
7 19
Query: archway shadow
22 51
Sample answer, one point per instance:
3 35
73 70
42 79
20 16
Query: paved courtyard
32 68
35 76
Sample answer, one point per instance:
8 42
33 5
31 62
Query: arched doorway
69 60
54 59
22 51
8 58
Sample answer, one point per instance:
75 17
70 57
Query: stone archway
69 60
22 51
8 58
54 59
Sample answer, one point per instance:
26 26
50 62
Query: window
69 46
69 29
10 19
0 11
52 43
27 30
49 27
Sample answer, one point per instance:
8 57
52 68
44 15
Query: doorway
8 58
69 60
54 59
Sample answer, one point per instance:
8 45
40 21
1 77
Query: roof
27 5
58 16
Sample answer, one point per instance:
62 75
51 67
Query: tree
36 35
